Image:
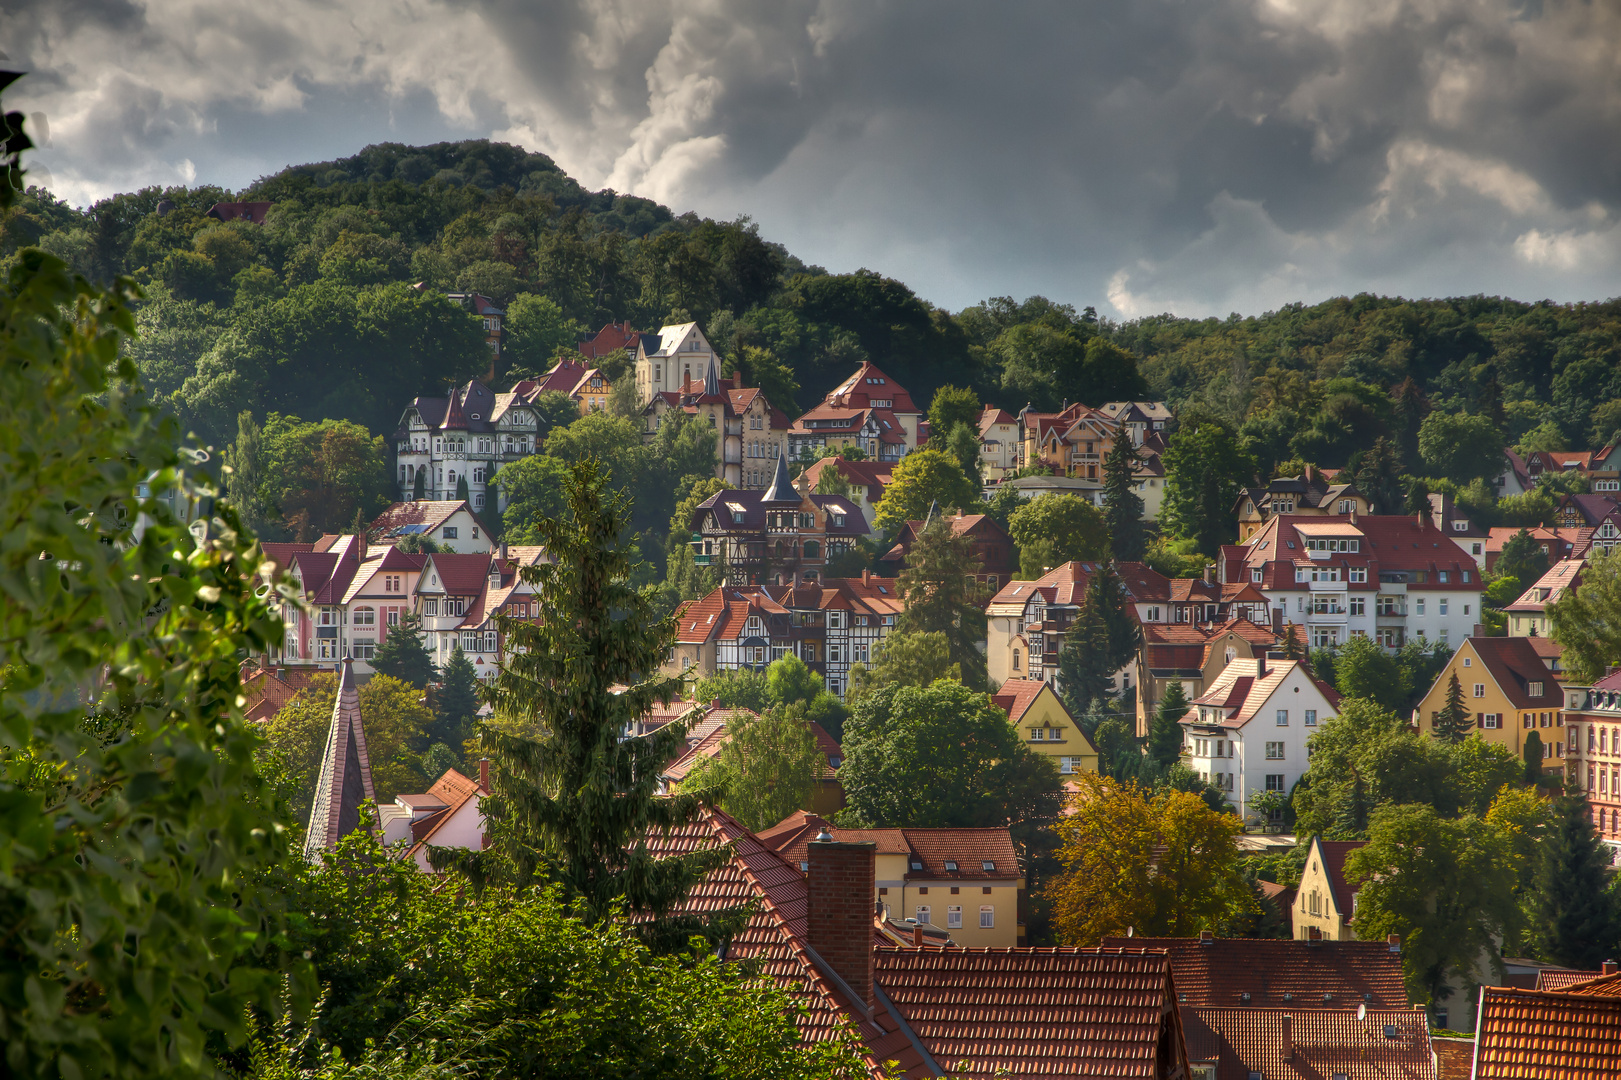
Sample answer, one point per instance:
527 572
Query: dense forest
312 315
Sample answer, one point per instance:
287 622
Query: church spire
782 485
712 379
345 783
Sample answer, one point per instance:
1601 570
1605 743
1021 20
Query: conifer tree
1099 643
1122 507
574 798
1576 916
943 596
1292 649
456 703
404 655
461 488
1165 733
1453 722
1532 753
419 484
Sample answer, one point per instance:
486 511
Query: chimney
737 380
1260 665
1206 937
917 936
866 577
503 551
1610 968
1277 621
1311 471
484 774
839 910
1209 573
1394 942
1314 936
1288 1038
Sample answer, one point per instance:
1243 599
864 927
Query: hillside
310 313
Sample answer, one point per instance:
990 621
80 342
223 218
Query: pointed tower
345 783
782 485
712 379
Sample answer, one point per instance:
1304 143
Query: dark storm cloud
1141 155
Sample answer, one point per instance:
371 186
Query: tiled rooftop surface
1281 974
1310 1044
1525 1034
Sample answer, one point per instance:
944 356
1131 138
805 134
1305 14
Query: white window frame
987 917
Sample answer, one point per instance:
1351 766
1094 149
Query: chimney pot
484 773
1206 937
840 885
1394 941
866 577
1610 967
917 937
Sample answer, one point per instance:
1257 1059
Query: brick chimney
1314 936
839 909
866 577
1610 968
917 936
1394 943
737 380
1288 1038
484 774
1206 937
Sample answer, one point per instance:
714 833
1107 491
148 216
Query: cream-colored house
1046 726
1323 901
966 882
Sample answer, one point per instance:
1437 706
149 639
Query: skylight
951 864
987 865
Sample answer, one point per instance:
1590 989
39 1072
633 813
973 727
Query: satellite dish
1362 1011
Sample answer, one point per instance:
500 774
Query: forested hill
311 313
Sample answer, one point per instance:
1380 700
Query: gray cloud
1139 155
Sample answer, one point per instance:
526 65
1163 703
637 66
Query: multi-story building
1074 442
776 536
458 598
832 625
1026 621
1528 615
1556 544
1593 721
964 881
449 523
868 480
999 444
1520 474
1509 692
1192 655
613 337
1247 733
868 410
991 545
586 386
672 358
353 598
1314 493
1385 577
1590 511
466 437
1325 901
750 433
1038 714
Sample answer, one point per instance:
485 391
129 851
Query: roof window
987 865
951 864
917 864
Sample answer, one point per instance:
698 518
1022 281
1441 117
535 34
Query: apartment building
672 358
1593 726
775 536
1314 493
868 410
466 437
750 433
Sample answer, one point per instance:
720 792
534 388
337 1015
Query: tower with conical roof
712 379
345 782
782 485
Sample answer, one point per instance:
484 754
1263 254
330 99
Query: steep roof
1239 691
928 850
344 784
1017 695
1280 973
452 791
458 574
1562 575
744 510
1514 665
1550 1036
1386 1044
415 518
1333 854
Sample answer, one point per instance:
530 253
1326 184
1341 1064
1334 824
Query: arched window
813 550
365 616
779 549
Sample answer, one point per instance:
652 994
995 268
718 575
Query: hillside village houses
1593 723
466 437
1509 691
750 432
868 410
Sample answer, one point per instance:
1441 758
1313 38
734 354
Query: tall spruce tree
1165 733
403 654
1532 753
1576 916
574 798
1453 722
1102 640
455 707
1292 649
1378 476
419 484
943 596
1122 507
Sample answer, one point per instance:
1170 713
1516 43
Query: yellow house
1509 693
966 882
1046 725
1323 901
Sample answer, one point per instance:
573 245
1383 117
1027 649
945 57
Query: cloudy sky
1193 156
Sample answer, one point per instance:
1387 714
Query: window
1311 717
1037 734
1359 575
391 583
327 649
953 917
1255 575
1441 606
988 866
1493 720
1069 765
448 532
1420 606
365 650
430 608
921 913
1534 689
951 865
1274 781
489 641
1017 659
470 642
1274 751
987 917
393 616
1283 717
1359 605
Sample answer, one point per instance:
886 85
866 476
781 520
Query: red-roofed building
1052 1012
460 597
1192 656
1380 576
1247 732
269 686
1593 730
1325 903
1528 615
1547 1035
991 545
586 386
999 443
868 410
610 339
1038 714
1509 691
1556 544
449 523
1026 621
750 433
777 536
447 815
868 480
239 211
1299 1043
1591 511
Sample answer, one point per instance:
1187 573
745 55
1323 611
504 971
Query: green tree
767 766
942 594
1053 529
963 444
245 472
533 488
921 479
1103 638
455 706
126 748
790 681
902 659
404 655
1460 447
318 474
943 756
1531 753
1378 476
1587 619
762 368
735 688
1523 558
1576 913
573 798
1364 670
1439 884
683 576
1122 506
1165 733
1453 721
1204 468
535 330
950 406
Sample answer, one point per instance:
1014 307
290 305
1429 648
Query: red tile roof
1310 1044
1563 978
452 791
1280 974
1597 985
461 575
1514 664
1548 1036
427 515
1017 695
970 849
1334 854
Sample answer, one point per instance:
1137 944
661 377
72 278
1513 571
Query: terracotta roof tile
1515 664
1280 974
1389 1044
1596 985
1563 978
1548 1036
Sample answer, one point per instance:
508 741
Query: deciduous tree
1522 557
1587 619
953 405
922 479
1054 529
1460 447
1204 468
767 766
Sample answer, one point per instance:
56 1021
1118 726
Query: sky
1199 157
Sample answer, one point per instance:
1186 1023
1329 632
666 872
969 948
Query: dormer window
951 865
988 866
917 865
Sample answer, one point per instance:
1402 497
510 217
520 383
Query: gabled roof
1597 984
744 511
458 574
1145 584
414 518
1514 664
1017 695
1279 973
1333 854
1386 1044
282 554
1550 1036
1562 575
1565 978
928 850
1244 696
344 784
452 791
